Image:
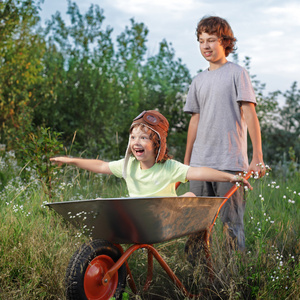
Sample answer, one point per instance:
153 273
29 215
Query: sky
267 31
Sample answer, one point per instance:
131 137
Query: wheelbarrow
98 270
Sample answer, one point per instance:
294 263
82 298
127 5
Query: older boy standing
222 102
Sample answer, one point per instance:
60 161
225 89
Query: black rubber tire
79 262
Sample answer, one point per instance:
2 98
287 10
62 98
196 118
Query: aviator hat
157 123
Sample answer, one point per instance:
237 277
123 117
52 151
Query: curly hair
155 139
219 27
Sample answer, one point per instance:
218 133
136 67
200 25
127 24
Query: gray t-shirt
221 141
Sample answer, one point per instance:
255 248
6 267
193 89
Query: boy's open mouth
139 151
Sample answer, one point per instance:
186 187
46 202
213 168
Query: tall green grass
36 243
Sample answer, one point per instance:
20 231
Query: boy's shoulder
172 163
234 66
228 68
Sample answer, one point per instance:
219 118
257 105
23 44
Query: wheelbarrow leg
123 259
150 271
153 252
129 274
208 254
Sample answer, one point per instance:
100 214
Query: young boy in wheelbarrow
147 168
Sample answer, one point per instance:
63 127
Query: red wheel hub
93 287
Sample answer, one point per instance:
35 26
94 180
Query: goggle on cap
157 123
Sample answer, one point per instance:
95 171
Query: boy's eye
209 41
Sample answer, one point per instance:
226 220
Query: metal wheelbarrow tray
140 220
98 270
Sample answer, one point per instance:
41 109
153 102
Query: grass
36 243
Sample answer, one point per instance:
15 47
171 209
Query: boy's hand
240 179
258 167
59 160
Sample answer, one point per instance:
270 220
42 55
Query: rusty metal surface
140 220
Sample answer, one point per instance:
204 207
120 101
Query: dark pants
231 214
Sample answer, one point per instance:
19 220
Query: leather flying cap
159 124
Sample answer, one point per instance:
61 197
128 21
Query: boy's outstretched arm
257 163
209 174
93 165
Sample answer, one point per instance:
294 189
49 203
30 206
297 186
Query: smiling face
212 50
142 146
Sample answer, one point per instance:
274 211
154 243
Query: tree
98 88
288 132
21 52
167 82
84 88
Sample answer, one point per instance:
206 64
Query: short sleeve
116 167
177 170
245 91
192 104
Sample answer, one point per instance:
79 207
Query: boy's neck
216 65
146 165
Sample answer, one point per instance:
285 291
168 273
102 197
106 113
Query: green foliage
34 151
95 78
282 133
7 163
72 77
21 52
279 123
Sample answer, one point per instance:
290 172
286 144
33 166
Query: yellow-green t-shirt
158 181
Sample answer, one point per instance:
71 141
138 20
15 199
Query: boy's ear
225 43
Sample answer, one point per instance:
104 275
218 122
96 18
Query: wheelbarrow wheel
87 268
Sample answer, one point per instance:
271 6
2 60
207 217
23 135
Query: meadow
36 243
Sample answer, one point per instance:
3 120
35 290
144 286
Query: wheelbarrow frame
152 252
110 274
